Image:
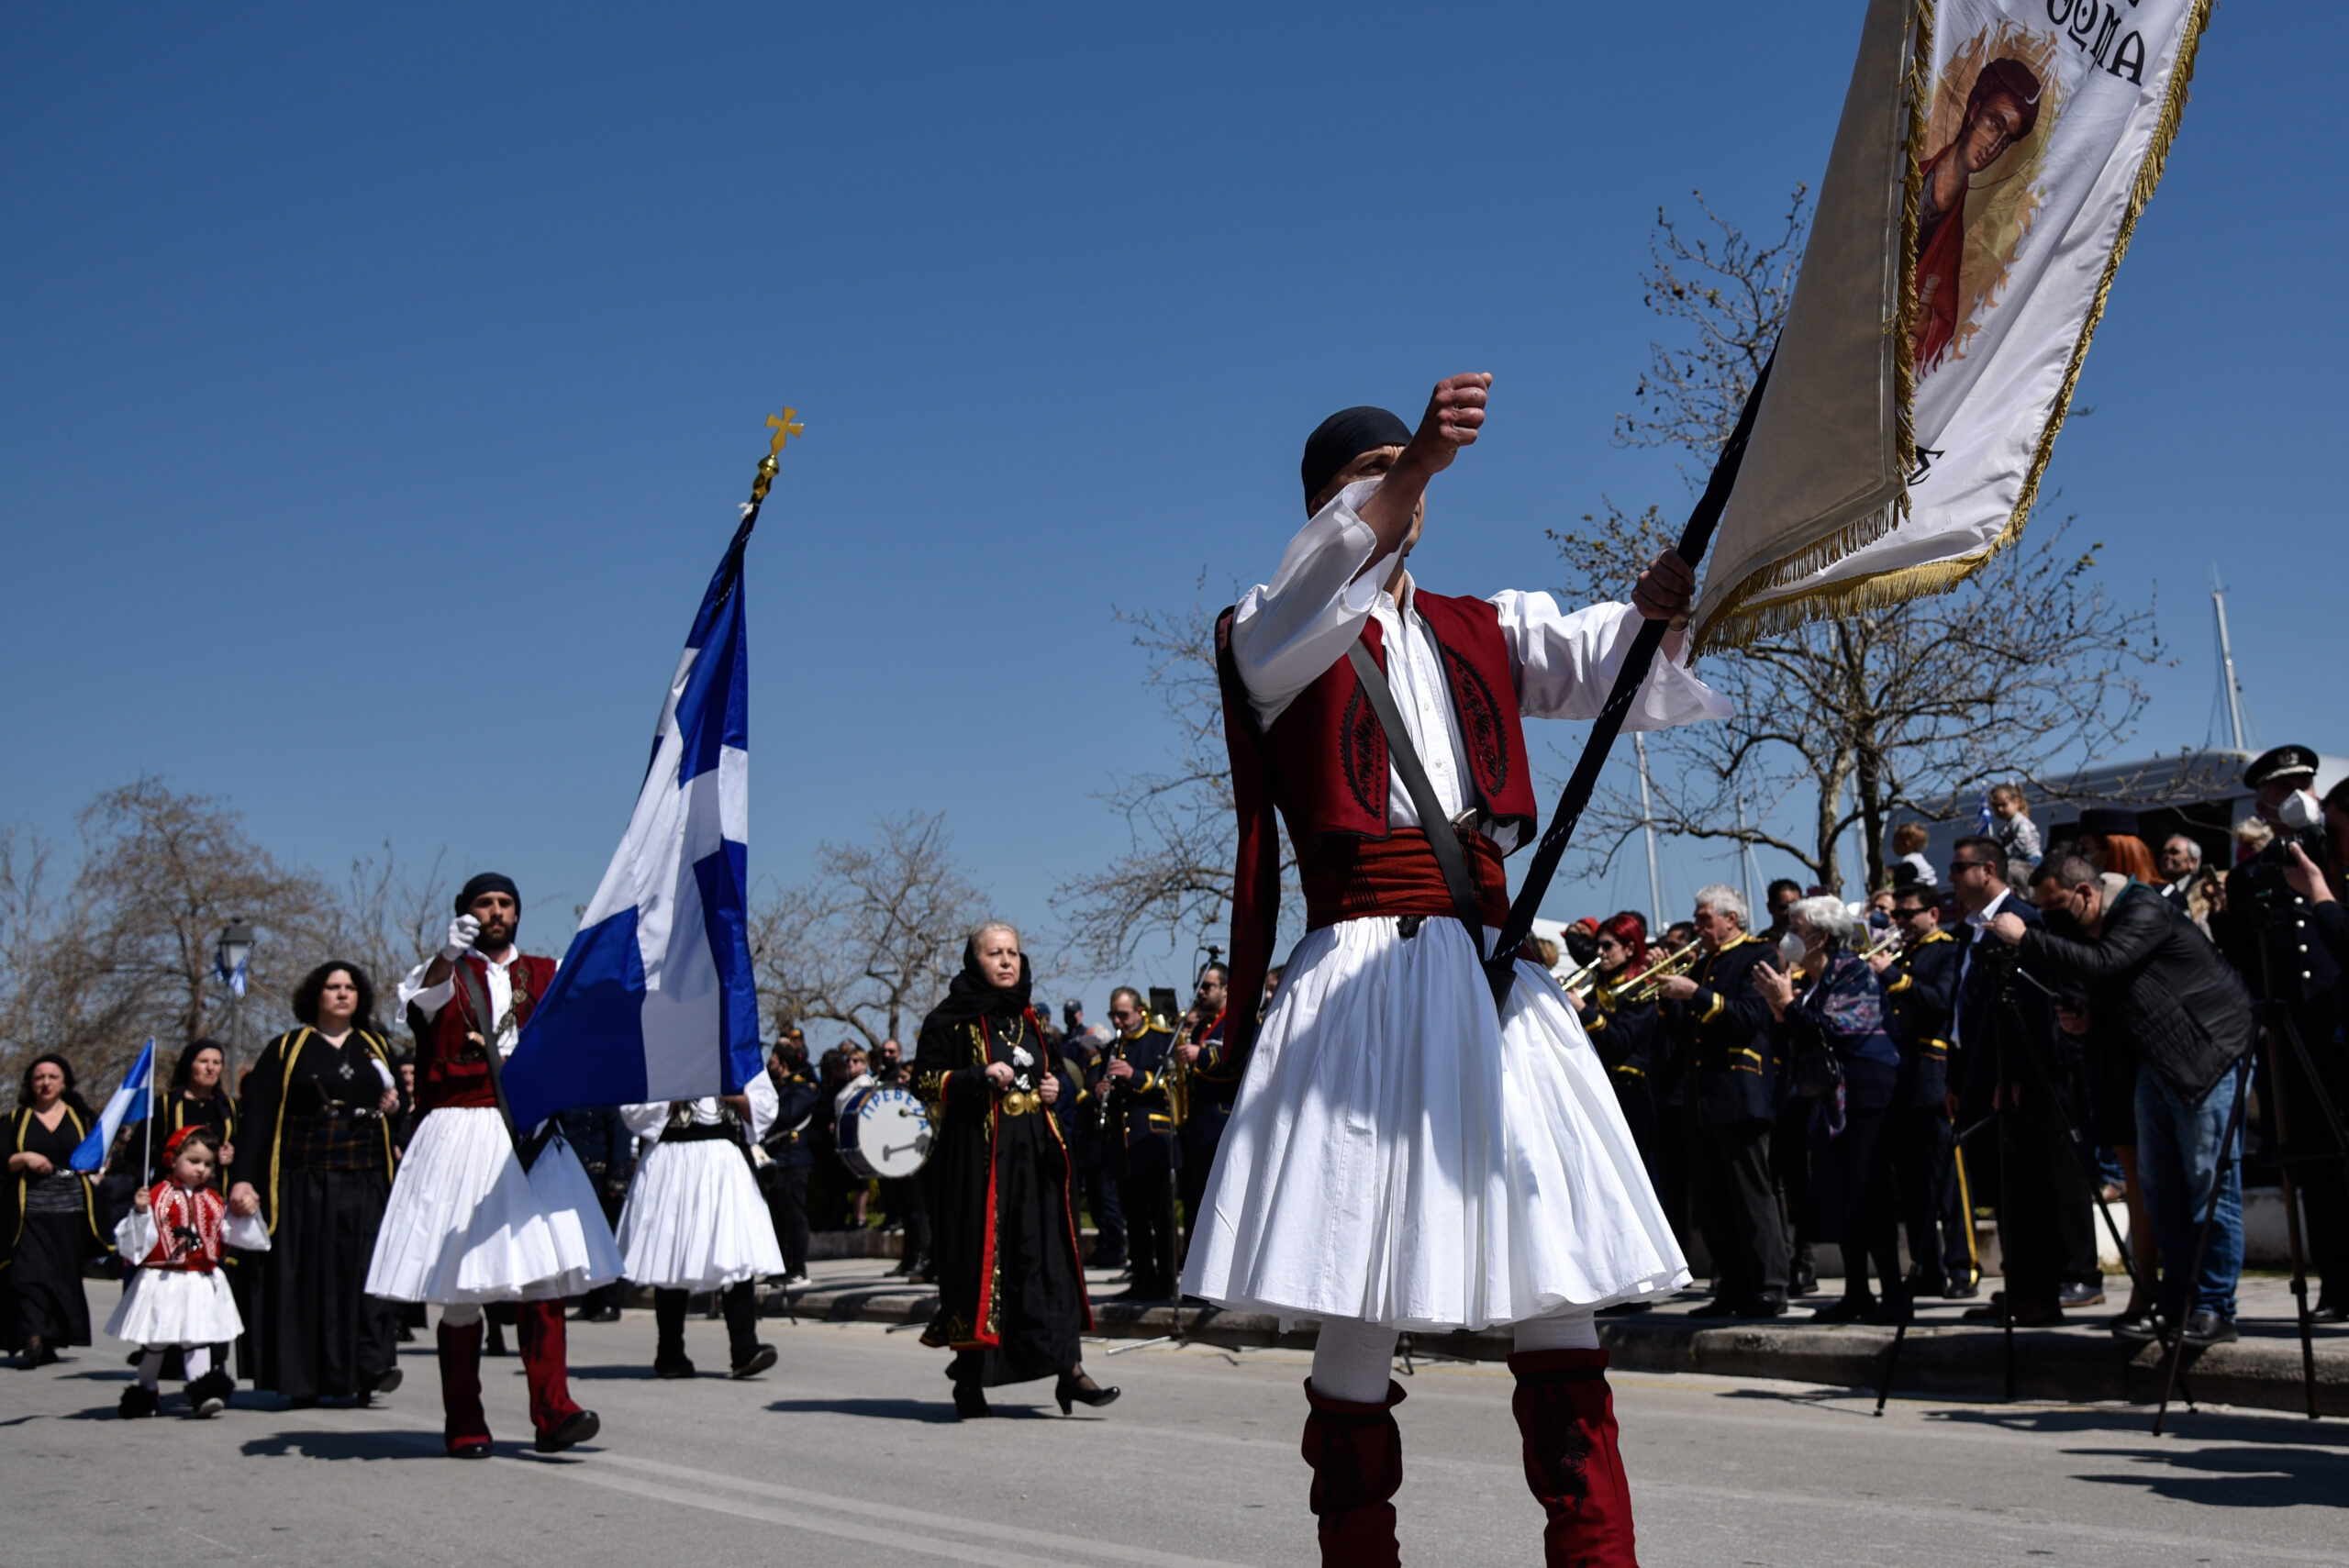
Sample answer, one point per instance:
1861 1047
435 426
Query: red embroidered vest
1323 767
187 1228
451 1068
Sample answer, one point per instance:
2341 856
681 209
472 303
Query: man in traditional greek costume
1402 1157
482 1211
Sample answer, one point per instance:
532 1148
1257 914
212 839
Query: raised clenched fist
1455 413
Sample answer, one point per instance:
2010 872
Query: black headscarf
1343 436
487 882
973 997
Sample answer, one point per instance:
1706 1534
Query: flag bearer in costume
482 1212
1400 1156
1010 1292
694 1221
315 1163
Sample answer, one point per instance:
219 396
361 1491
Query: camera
2270 895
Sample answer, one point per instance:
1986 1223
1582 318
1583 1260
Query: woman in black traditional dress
316 1162
198 1097
50 1218
1010 1292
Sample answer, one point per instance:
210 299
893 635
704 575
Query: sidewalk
2077 1361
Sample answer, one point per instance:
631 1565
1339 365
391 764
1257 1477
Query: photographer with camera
2161 998
2275 942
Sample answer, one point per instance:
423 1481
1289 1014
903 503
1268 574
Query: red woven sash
1351 879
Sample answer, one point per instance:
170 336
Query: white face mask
2299 811
1790 949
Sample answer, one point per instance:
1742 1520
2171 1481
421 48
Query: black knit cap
1343 436
487 882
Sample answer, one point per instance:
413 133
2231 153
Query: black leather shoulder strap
1442 837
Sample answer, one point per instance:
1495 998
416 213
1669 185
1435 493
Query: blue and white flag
234 979
129 1103
655 999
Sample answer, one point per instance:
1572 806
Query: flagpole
1500 969
146 1138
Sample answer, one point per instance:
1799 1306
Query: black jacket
1725 1036
1141 1111
1920 1000
2263 911
787 1142
1988 1040
2156 988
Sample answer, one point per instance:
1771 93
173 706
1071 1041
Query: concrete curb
1966 1362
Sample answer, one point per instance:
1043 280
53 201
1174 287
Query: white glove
461 932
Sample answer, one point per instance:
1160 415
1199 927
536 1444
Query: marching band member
1131 1076
1625 1029
694 1221
475 1219
1210 1074
1401 1157
1011 1298
1919 996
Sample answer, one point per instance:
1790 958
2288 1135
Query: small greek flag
130 1103
655 999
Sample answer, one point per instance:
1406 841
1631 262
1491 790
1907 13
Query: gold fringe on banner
1740 627
1730 626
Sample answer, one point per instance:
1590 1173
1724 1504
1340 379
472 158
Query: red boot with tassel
1356 1452
1565 1413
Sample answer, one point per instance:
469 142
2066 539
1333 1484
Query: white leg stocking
1353 1360
1577 1330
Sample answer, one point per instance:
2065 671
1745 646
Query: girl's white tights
150 1363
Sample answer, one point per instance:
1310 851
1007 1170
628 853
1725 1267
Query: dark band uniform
1920 1001
1628 1036
1145 1153
1732 1088
1203 1095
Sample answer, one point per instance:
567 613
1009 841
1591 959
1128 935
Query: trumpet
1645 987
1581 978
1888 942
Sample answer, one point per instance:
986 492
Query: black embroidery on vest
1364 751
1480 724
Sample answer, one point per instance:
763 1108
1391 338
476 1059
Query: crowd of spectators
2040 1023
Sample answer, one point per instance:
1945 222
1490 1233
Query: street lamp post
229 958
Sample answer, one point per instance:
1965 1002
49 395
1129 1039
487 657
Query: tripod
2006 1013
2276 1023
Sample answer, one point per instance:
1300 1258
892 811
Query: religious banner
1900 439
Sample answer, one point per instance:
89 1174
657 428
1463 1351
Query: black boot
139 1403
748 1358
669 1335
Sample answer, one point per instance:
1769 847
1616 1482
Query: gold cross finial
785 427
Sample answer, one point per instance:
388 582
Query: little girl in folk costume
177 1296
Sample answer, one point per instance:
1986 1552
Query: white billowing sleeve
426 999
644 1121
248 1232
1566 664
764 1103
134 1238
1286 632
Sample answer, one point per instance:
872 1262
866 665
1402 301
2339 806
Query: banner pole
1500 968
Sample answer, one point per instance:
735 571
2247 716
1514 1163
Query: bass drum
883 1131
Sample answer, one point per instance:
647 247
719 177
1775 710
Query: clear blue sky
380 382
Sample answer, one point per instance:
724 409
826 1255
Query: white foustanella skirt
466 1224
176 1307
694 1220
1399 1154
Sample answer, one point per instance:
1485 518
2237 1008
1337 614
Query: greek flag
129 1103
655 999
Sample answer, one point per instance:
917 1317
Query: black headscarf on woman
72 1095
973 996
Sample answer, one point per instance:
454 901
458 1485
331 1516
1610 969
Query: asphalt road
847 1455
